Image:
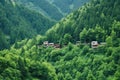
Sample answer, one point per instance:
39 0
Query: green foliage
90 76
44 7
4 42
109 41
53 9
85 50
116 28
94 21
67 38
67 63
18 23
27 60
83 35
69 5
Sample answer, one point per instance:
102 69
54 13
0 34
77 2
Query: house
94 44
51 44
45 43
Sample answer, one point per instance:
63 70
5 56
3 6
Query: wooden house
94 44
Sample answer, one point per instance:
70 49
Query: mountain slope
54 9
42 6
30 59
17 23
67 6
95 16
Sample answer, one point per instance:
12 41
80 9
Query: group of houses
94 44
47 44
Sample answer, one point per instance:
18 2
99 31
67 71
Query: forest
42 6
53 9
18 23
69 5
37 58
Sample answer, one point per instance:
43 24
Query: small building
45 43
94 44
51 44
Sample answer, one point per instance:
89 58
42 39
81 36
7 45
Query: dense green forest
98 20
17 23
28 61
94 21
66 6
53 9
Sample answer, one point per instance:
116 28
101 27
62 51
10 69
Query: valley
84 45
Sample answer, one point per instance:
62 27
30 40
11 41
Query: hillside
95 21
54 9
17 23
42 6
67 6
32 59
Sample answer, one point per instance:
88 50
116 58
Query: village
93 44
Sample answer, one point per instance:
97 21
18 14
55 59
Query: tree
60 76
100 75
109 41
85 50
23 69
99 33
3 41
78 76
91 35
117 74
67 38
83 35
116 28
11 74
90 76
44 71
68 77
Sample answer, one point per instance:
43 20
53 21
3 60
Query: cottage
94 44
45 43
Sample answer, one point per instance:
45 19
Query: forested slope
67 6
54 9
17 23
29 59
42 6
95 21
